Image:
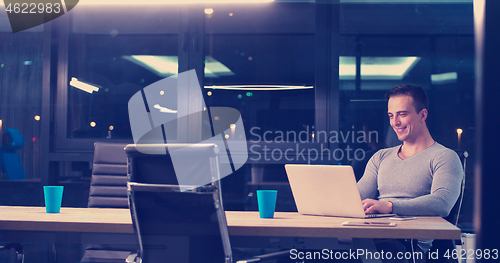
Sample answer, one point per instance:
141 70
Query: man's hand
376 207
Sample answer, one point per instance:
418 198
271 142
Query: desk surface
297 225
99 220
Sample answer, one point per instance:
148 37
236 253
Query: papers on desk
368 223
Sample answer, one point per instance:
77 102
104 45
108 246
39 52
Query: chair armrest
265 257
132 258
19 251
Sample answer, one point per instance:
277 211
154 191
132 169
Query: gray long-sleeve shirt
426 184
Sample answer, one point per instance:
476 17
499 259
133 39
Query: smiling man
418 177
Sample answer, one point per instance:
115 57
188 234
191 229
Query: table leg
52 253
367 250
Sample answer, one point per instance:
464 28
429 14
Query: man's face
404 119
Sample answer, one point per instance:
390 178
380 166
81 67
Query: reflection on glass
166 2
112 69
256 87
272 81
163 66
166 66
83 86
394 68
444 78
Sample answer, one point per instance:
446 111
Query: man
419 177
374 145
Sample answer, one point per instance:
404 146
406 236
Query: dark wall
487 110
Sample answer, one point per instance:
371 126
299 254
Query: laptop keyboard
378 215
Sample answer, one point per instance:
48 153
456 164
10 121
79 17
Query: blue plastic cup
53 198
267 202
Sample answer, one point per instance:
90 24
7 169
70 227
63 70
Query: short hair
420 100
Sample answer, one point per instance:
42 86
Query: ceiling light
165 66
83 86
444 78
164 109
405 1
394 68
215 69
258 87
165 2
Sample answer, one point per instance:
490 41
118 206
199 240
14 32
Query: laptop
326 190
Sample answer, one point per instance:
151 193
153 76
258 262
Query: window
111 56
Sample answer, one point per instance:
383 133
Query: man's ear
423 115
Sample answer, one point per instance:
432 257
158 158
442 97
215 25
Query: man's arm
367 185
445 189
368 188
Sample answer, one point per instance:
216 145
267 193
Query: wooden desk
297 225
79 220
72 225
88 225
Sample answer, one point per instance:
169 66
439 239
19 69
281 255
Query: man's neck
410 148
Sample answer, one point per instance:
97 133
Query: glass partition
304 75
21 64
265 69
269 79
112 54
427 44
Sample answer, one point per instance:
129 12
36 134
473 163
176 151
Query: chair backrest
455 211
172 221
108 186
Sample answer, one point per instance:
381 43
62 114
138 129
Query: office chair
455 211
181 223
9 158
13 170
108 186
448 245
108 189
16 252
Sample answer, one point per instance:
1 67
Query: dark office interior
314 69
